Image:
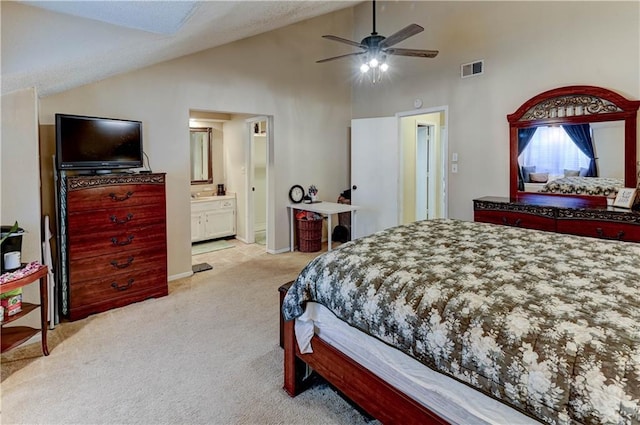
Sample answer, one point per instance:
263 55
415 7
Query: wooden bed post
294 368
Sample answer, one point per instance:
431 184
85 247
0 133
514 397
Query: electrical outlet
454 168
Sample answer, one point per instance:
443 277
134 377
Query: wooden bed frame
375 396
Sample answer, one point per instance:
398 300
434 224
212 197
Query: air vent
472 69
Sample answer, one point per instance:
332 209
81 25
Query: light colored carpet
206 354
202 247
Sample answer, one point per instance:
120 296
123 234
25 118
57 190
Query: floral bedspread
547 323
601 186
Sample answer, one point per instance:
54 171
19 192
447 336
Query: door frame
249 215
440 162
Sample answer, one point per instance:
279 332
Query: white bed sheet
450 399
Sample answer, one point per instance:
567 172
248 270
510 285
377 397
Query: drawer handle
115 263
617 237
117 198
127 241
115 220
515 223
124 287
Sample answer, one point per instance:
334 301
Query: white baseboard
180 275
279 251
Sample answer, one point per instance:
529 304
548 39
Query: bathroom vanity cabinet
213 217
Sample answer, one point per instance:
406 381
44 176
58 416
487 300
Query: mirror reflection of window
200 147
552 151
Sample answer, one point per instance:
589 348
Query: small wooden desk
326 209
13 336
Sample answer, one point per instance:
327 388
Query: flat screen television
93 143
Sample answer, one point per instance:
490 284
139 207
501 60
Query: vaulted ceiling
58 45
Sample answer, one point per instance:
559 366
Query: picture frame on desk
625 198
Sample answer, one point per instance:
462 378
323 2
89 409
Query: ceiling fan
375 47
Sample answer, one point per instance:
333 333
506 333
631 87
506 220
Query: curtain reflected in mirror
585 150
200 144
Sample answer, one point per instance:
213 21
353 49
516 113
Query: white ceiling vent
472 69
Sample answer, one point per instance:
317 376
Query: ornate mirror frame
575 105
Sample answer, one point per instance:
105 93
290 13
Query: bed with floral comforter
598 186
547 323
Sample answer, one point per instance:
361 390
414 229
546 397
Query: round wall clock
296 193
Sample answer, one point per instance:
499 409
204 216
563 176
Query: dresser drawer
516 219
115 285
109 243
114 219
107 292
124 261
116 196
601 229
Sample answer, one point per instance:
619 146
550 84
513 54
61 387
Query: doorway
386 174
257 179
423 164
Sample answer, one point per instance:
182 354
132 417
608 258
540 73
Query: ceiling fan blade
340 57
403 34
412 52
344 40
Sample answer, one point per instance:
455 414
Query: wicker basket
309 235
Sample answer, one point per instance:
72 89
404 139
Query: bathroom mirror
201 144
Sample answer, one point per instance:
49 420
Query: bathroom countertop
213 197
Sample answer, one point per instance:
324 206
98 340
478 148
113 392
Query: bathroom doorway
257 179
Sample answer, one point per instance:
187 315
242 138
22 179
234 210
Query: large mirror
201 145
575 141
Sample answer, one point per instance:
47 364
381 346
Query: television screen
93 143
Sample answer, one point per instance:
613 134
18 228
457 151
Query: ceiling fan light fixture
376 47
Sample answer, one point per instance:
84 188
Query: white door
257 149
374 174
422 172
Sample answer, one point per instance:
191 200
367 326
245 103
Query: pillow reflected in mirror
539 177
526 172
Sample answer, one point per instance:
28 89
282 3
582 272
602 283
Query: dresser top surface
566 202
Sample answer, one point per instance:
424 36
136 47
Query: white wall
20 178
528 48
20 169
271 74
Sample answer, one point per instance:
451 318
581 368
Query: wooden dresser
571 215
116 241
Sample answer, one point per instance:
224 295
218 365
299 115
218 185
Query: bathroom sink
206 196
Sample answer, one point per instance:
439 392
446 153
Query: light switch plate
454 168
